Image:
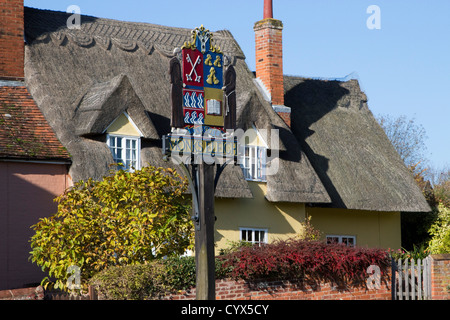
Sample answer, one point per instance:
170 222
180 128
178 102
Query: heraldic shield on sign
202 74
203 100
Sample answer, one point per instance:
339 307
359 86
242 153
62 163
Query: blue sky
404 67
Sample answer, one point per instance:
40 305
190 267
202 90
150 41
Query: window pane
127 155
255 236
262 236
332 240
254 162
349 241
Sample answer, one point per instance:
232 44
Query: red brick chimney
269 59
11 40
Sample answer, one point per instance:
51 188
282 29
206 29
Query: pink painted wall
27 191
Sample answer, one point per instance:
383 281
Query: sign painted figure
230 97
176 83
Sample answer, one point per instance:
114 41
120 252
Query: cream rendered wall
122 126
371 228
282 220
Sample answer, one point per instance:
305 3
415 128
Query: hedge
299 259
282 260
149 281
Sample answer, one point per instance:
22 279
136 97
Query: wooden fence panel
411 279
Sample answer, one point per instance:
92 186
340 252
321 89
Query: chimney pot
269 60
268 9
269 54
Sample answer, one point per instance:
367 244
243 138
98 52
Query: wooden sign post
204 237
203 113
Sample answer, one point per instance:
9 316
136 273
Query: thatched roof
105 101
81 79
350 152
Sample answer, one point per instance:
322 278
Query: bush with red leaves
304 260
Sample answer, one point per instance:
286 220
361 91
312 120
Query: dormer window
254 163
253 155
124 140
125 150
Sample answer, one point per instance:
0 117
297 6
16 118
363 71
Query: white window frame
255 233
253 163
342 239
126 161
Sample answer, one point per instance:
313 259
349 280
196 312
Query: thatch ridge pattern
122 34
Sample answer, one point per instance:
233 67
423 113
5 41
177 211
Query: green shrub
418 252
440 232
126 218
180 272
133 282
150 281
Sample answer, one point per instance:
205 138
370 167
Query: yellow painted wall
371 228
122 126
283 220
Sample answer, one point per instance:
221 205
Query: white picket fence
411 279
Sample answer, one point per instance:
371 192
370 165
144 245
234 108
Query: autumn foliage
127 218
304 260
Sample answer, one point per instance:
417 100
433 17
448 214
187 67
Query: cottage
104 91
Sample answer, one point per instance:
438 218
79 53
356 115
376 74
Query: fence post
413 279
427 278
400 279
406 280
393 279
419 281
92 294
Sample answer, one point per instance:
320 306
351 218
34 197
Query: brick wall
440 277
286 116
11 39
286 290
35 293
269 57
